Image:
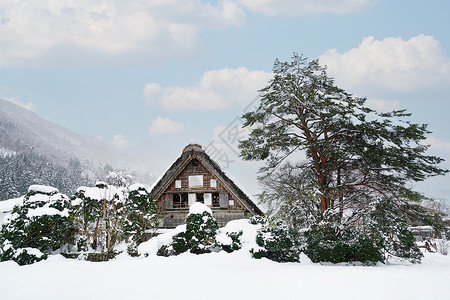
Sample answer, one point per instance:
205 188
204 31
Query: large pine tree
328 156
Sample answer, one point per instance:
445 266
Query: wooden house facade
195 177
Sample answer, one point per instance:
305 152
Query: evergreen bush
235 244
199 236
324 244
165 250
37 228
140 214
279 242
397 240
107 215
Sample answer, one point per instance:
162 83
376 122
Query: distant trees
332 161
19 170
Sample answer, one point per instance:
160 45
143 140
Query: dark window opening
195 162
200 198
180 200
215 200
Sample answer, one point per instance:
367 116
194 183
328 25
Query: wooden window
178 184
180 200
191 199
176 201
195 181
213 183
208 199
223 200
184 200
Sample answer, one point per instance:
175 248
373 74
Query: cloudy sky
151 76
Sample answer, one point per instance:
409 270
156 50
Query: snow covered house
195 177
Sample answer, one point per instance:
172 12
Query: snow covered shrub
98 214
396 239
166 251
179 245
107 215
38 227
132 249
367 235
22 256
403 245
140 213
200 233
257 220
325 243
279 242
233 244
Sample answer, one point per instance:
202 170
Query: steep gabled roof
196 151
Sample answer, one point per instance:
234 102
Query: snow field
222 276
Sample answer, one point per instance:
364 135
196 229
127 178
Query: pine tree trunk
325 197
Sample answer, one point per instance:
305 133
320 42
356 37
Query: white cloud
215 90
304 7
392 63
437 145
223 148
119 141
165 126
383 105
16 101
34 30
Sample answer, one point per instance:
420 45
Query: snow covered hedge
94 221
107 215
97 219
277 241
325 244
39 227
201 234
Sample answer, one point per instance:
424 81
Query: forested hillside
36 151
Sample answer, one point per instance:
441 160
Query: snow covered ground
222 276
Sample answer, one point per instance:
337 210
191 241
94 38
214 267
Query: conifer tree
355 160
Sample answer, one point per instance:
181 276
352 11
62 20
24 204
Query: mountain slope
23 130
36 151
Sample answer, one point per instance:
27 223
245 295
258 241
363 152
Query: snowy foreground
219 275
222 276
